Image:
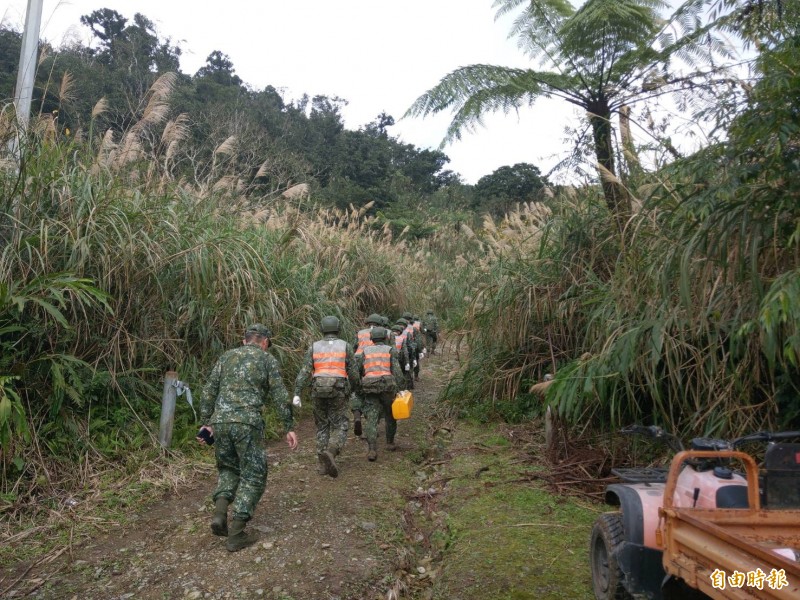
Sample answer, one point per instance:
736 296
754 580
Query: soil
447 515
319 537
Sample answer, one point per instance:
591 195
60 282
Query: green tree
601 58
219 69
505 186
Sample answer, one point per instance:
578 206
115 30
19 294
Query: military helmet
385 321
429 312
402 321
374 319
377 334
330 325
416 317
407 315
397 327
259 329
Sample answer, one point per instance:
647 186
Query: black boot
219 522
328 459
372 455
237 538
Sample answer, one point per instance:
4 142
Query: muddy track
365 534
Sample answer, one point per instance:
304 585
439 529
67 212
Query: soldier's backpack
327 387
377 385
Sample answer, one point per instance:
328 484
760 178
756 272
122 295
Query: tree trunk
616 197
628 147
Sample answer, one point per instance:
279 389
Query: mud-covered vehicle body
629 553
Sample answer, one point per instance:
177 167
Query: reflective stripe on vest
329 358
399 340
364 340
409 331
377 361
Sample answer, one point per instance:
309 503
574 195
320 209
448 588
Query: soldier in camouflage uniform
430 327
413 343
230 409
403 352
386 325
330 367
362 340
381 377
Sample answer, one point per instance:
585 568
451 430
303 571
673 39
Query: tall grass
115 268
689 319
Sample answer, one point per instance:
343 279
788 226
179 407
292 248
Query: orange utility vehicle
702 528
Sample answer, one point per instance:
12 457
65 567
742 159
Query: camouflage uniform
404 357
430 327
413 346
331 411
378 404
231 403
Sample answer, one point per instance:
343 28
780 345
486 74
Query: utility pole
23 94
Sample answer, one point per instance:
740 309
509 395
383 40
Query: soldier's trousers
430 341
409 375
377 406
333 422
241 455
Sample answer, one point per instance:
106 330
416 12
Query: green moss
508 537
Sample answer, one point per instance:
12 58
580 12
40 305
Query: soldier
362 337
389 332
413 343
420 339
381 377
230 410
404 352
362 340
330 366
430 327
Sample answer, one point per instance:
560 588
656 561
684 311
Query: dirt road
446 516
319 537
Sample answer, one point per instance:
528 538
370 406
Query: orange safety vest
410 331
364 340
329 357
417 325
377 361
399 340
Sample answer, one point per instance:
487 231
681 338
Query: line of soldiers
367 376
364 380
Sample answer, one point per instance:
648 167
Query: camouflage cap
259 329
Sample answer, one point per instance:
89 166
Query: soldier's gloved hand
408 367
415 363
296 401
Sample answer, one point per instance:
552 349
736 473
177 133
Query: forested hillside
150 214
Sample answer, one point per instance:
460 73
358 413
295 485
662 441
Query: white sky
379 55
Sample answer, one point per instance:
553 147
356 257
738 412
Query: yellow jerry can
402 405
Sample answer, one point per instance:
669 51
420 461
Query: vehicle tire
608 536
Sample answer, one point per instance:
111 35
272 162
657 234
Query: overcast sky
379 55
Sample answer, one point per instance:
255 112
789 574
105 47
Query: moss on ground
509 539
